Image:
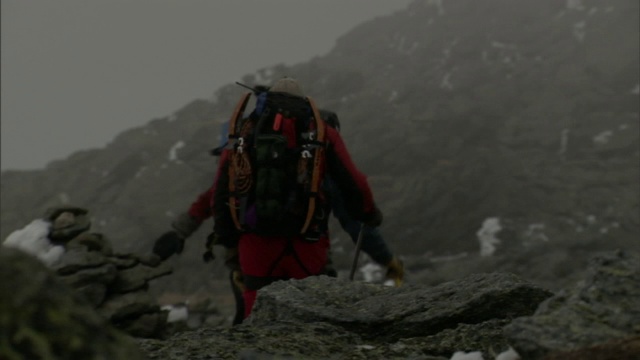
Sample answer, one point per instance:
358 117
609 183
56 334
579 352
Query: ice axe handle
357 254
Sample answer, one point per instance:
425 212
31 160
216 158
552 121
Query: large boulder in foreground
375 311
43 318
322 317
598 319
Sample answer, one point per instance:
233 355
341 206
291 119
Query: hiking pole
355 257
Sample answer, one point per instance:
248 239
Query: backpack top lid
287 85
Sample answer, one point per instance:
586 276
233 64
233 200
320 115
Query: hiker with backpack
269 203
185 224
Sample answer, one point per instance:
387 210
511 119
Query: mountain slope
457 110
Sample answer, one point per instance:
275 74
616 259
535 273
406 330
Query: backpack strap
237 114
233 138
319 154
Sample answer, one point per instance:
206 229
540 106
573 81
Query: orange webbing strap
237 113
319 153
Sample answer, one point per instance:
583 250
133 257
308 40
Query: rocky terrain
459 111
324 318
44 318
529 115
487 314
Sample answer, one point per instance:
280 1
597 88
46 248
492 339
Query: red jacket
202 208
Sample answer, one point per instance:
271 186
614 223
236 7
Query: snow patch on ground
173 151
603 137
372 272
446 82
508 355
176 312
462 355
487 236
535 232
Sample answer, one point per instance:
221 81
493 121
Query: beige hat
287 85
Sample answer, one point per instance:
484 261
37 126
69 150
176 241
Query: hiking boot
395 271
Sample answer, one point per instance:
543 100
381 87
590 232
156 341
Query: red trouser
279 257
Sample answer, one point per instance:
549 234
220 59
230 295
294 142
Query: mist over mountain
458 111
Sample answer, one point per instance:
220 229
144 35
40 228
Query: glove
238 280
395 271
373 219
185 225
168 244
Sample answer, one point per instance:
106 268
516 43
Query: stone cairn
115 284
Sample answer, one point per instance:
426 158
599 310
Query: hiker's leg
374 245
372 242
249 297
239 300
308 258
339 210
259 261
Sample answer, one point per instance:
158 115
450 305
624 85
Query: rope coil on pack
236 166
242 169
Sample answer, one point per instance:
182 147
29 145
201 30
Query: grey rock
602 308
91 241
123 262
622 349
284 340
42 318
121 307
487 337
393 313
149 259
137 277
152 260
328 318
149 325
102 278
95 293
103 274
78 258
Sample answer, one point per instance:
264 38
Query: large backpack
276 166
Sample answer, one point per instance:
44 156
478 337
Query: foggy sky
75 73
